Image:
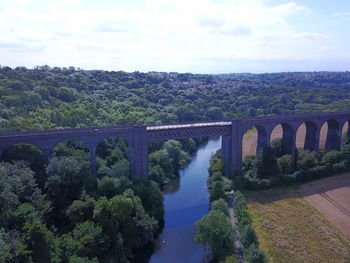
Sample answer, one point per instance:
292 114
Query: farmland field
290 229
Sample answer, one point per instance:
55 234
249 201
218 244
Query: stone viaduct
232 132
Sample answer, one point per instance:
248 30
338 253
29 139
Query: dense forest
57 212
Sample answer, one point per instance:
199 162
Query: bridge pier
263 138
138 153
236 144
226 150
312 137
92 155
288 140
48 153
333 140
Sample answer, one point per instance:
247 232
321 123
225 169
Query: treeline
44 97
270 168
214 230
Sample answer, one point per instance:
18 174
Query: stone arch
333 135
306 136
109 151
31 153
85 151
287 133
253 139
345 131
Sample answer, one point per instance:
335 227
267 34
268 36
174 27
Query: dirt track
331 197
249 141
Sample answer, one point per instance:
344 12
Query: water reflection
185 201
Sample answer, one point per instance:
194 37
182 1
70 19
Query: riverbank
185 202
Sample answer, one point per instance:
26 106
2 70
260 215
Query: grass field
291 230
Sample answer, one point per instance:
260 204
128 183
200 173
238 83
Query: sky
197 36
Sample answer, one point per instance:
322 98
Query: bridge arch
31 153
253 139
345 131
287 132
112 157
78 149
306 136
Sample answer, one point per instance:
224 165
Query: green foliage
255 255
66 178
76 259
111 186
220 205
306 159
86 240
265 164
19 194
248 236
151 198
125 221
276 145
80 211
286 164
29 154
215 230
331 157
42 243
217 191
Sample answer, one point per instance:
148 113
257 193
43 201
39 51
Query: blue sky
199 36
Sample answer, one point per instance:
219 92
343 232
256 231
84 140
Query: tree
254 255
248 236
306 159
42 243
217 191
286 164
220 205
276 145
215 230
80 211
331 157
265 164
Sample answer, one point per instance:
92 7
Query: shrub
248 236
254 254
306 159
286 164
331 157
220 205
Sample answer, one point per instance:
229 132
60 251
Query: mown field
291 230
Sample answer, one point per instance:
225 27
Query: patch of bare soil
331 196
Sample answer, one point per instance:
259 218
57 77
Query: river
185 202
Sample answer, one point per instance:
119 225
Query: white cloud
341 14
166 33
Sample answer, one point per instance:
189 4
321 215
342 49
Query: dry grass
291 230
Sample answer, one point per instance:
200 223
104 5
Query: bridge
232 131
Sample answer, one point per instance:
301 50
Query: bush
331 157
215 230
254 254
220 205
265 164
286 164
289 178
248 236
276 146
306 159
217 191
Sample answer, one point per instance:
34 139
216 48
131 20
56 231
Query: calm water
185 203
